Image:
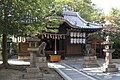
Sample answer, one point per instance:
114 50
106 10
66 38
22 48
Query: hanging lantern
74 34
83 41
71 34
71 40
19 39
74 40
83 34
15 39
78 40
23 39
78 34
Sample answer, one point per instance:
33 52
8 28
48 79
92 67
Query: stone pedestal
108 66
90 61
33 72
41 62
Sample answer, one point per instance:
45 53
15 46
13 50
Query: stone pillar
32 59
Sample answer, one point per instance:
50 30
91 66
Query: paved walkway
72 69
70 73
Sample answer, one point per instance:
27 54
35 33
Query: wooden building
70 39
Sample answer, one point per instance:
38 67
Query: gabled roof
76 21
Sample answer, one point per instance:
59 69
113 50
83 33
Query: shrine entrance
55 44
97 48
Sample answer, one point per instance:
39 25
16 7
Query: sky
106 5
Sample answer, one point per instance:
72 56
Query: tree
21 16
114 17
87 9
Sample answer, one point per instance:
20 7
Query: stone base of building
109 68
90 61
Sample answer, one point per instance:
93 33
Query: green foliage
114 18
14 12
85 7
53 23
94 36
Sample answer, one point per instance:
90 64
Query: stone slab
111 66
111 69
90 62
90 58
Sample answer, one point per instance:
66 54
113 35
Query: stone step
111 69
111 66
89 62
89 66
90 58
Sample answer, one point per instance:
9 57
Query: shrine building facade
70 39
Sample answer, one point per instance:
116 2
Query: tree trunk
4 50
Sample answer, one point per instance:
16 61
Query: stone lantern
33 71
108 66
33 48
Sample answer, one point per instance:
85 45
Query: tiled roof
74 19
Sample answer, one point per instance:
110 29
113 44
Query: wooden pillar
95 48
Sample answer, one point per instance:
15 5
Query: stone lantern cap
33 39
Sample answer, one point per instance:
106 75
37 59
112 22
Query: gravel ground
16 74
